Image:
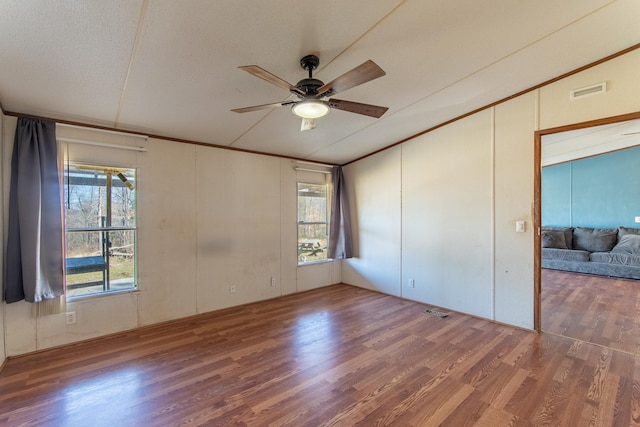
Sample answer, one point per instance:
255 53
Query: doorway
578 304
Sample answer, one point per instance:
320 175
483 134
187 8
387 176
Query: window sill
321 261
79 298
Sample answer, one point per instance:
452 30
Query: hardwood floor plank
599 376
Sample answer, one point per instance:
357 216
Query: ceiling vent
588 91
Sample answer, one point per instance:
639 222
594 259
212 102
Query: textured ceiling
576 144
169 68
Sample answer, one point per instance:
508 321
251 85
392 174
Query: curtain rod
101 144
114 132
312 170
314 163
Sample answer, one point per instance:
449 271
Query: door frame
537 202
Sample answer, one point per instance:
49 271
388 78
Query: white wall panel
167 232
514 174
95 317
238 220
374 188
312 276
20 328
288 228
447 216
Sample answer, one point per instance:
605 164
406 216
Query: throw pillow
554 239
628 244
595 239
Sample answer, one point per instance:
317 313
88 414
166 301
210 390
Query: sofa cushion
615 258
565 254
623 231
554 239
628 244
594 239
568 236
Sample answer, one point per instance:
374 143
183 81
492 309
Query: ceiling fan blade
358 108
267 76
363 73
261 107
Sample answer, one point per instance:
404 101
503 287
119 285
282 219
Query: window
312 222
100 229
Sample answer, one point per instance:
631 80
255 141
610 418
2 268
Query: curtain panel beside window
34 253
340 244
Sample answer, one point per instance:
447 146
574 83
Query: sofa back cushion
595 239
623 231
554 239
557 237
628 244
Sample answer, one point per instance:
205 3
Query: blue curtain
340 243
34 253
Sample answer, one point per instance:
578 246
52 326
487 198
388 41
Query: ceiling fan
311 93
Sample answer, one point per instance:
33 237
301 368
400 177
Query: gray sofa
611 252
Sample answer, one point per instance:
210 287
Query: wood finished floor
596 309
337 356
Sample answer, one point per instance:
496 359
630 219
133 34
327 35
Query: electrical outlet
638 219
412 283
232 289
70 318
273 281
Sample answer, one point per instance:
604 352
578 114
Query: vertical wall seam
493 213
197 249
136 249
536 211
401 223
571 201
2 218
280 200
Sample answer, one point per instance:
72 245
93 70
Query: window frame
105 228
301 259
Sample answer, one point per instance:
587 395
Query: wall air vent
588 91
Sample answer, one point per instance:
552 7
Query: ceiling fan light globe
310 109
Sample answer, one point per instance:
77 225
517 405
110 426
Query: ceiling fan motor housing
309 87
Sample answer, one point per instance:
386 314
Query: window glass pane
86 197
312 203
123 199
312 222
312 242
